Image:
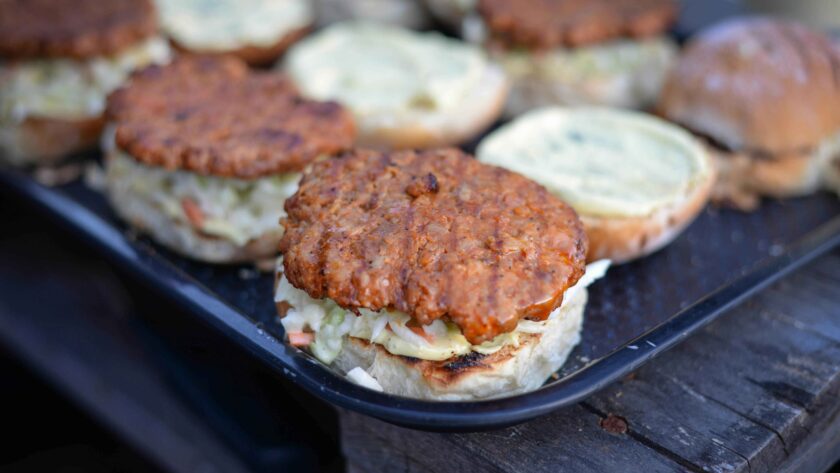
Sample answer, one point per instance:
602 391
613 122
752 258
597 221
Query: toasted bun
436 129
511 370
407 13
43 141
636 181
625 239
757 84
184 239
399 84
257 56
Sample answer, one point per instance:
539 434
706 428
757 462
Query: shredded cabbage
570 65
67 88
234 209
443 340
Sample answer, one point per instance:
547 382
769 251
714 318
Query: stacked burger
60 60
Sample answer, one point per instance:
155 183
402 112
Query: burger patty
543 24
73 28
212 115
434 234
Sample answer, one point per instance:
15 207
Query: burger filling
236 210
213 25
321 325
70 89
626 73
606 60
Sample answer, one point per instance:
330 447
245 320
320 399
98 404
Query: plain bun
757 84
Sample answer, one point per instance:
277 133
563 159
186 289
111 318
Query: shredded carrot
420 331
301 339
193 212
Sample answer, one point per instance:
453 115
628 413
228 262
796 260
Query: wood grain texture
758 390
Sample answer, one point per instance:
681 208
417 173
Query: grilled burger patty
434 234
212 116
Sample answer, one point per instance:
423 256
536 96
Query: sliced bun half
405 89
636 181
256 31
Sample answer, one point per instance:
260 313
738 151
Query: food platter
640 310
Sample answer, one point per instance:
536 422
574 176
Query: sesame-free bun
257 56
256 31
623 239
45 141
405 89
635 181
757 84
423 130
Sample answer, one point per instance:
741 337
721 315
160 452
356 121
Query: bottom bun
257 56
623 239
430 129
44 141
511 370
745 178
186 240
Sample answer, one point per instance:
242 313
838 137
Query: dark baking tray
636 312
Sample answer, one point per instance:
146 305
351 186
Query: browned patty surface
212 115
542 24
73 28
432 234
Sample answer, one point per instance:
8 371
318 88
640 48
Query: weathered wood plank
820 452
663 411
571 440
748 393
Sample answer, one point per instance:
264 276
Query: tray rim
139 259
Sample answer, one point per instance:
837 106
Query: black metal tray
637 311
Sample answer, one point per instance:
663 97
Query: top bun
757 84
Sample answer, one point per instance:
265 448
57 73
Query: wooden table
758 390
